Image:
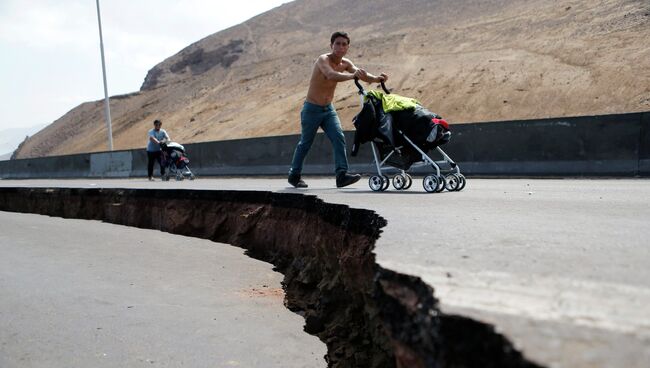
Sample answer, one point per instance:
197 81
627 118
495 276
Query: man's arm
364 75
369 78
164 139
152 138
331 74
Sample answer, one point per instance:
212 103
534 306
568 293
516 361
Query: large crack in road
368 316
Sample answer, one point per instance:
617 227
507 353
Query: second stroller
175 161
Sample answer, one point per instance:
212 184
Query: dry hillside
467 60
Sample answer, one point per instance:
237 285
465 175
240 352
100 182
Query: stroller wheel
441 184
452 182
192 177
399 181
430 183
461 182
376 183
386 182
409 181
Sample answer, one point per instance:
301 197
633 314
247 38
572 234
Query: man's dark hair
337 34
157 122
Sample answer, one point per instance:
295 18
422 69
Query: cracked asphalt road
557 265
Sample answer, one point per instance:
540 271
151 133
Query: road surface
560 266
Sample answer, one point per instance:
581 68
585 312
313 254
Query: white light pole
107 108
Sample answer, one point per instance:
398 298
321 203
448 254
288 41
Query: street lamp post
107 108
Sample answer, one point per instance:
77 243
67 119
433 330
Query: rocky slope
467 60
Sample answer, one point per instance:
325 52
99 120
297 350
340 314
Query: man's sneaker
296 181
345 179
151 178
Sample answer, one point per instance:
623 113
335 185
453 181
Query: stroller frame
452 180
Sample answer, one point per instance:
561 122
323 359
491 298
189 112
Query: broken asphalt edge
368 316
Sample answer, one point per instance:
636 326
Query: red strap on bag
442 122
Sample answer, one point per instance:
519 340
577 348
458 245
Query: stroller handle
363 92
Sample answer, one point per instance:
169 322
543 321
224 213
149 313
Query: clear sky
49 49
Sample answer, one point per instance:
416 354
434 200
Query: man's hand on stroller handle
363 92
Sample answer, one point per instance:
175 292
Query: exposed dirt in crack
367 315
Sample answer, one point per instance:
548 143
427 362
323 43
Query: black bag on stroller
426 129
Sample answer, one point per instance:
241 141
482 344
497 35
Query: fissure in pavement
368 316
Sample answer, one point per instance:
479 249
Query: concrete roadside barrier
644 145
68 166
111 164
607 145
604 145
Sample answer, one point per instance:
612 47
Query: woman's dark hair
337 34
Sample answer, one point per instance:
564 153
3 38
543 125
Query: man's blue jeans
312 117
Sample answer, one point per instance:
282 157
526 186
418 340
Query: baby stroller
400 136
175 162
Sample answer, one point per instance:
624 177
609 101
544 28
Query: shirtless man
318 110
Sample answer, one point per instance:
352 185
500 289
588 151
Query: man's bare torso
321 89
